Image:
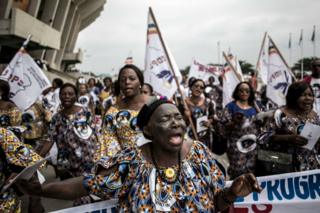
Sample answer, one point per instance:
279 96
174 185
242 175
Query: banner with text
26 80
291 192
202 71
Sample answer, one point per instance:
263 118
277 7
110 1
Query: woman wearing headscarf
119 129
170 174
282 138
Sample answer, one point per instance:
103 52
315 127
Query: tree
185 71
307 66
246 67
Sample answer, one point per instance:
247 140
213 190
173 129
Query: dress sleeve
18 155
122 168
108 140
209 167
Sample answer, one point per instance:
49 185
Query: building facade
54 26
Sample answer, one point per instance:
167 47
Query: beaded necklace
169 175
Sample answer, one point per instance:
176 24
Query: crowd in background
80 124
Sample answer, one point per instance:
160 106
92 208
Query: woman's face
146 90
167 127
305 101
82 89
129 83
91 82
68 97
197 88
244 92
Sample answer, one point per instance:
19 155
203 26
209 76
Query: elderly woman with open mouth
169 174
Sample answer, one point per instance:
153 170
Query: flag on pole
230 79
202 71
26 80
158 71
301 37
279 76
129 60
262 64
313 36
289 45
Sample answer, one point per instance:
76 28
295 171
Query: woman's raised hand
244 185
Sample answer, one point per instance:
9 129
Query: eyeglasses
244 90
198 86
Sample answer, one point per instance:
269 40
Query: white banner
291 192
199 70
108 206
157 68
279 78
26 80
262 67
230 81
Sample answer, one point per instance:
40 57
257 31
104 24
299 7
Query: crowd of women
153 153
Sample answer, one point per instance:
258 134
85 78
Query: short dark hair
295 90
149 86
58 82
195 81
135 69
107 78
116 88
5 88
191 79
68 85
251 98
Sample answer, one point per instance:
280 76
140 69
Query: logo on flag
158 71
26 80
279 76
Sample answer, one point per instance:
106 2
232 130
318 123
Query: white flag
235 63
202 71
262 65
158 72
26 80
279 77
230 81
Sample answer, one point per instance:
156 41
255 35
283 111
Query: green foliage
246 67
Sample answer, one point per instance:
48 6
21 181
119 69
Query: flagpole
284 61
301 54
218 49
174 74
261 49
290 49
314 40
231 65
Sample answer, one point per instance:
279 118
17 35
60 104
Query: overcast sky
192 29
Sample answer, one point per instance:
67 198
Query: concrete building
54 26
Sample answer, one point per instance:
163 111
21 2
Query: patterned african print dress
139 187
10 117
76 142
14 157
302 159
119 131
241 140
